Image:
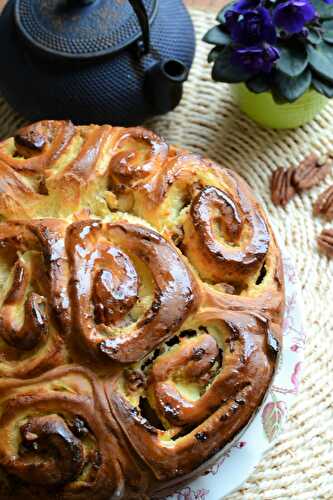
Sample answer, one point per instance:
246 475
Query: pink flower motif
289 313
296 376
294 380
201 494
290 271
185 494
216 467
299 340
189 494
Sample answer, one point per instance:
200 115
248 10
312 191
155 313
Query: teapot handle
140 10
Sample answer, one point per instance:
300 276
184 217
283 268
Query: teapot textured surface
121 85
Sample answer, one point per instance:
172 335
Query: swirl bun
106 288
141 307
200 387
222 240
53 434
34 311
139 154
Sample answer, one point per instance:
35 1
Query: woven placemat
300 466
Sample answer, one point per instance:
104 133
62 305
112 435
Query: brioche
141 309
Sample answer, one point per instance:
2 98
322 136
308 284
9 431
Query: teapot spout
164 83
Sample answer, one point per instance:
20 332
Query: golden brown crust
34 312
96 250
139 153
143 287
63 442
226 359
38 145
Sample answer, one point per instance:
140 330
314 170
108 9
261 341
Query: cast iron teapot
94 61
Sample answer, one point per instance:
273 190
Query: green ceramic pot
264 110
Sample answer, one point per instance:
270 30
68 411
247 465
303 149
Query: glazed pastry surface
141 308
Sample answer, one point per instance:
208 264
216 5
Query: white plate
236 465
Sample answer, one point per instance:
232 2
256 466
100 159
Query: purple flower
256 59
291 16
328 1
240 8
244 6
253 28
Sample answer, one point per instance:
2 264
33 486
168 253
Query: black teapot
94 61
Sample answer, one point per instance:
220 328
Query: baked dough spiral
131 290
34 307
139 154
53 434
196 390
141 311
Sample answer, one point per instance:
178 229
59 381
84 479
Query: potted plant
279 56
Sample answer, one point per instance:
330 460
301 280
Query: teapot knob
139 8
83 36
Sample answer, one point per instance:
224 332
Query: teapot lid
81 29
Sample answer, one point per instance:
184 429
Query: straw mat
300 466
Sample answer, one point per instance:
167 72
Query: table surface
213 5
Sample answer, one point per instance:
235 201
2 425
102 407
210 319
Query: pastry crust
141 309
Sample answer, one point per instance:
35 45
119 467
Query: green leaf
323 88
258 84
220 16
225 70
328 36
292 88
328 31
293 59
324 10
216 36
272 418
321 60
213 54
314 37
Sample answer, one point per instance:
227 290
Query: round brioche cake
141 308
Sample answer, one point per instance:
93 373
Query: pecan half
324 204
282 189
310 173
325 242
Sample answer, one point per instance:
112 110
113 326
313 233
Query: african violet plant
285 47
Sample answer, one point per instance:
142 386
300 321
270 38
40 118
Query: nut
282 189
310 173
325 242
324 204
